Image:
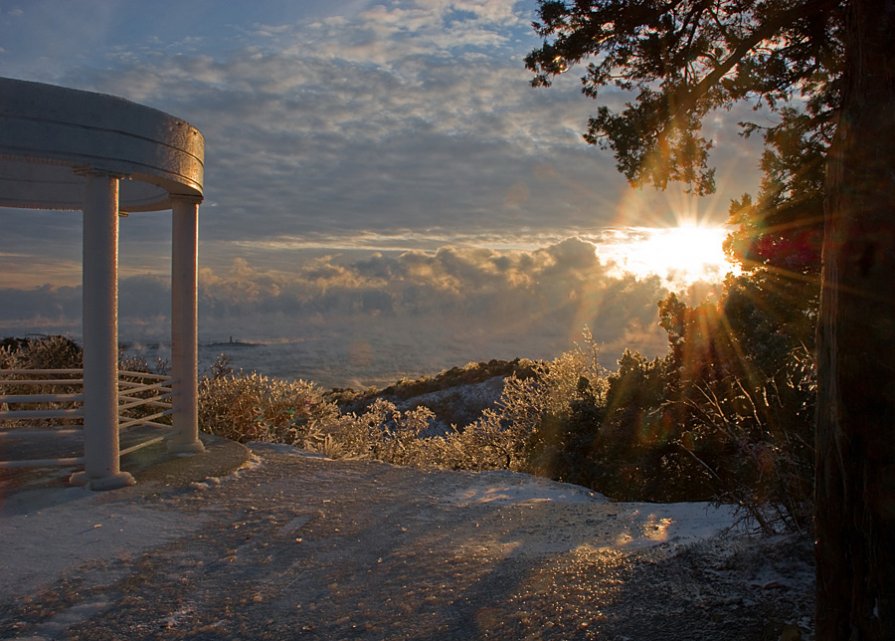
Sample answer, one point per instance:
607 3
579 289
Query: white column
100 326
184 328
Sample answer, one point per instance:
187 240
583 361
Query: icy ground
298 547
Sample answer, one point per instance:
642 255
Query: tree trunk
855 483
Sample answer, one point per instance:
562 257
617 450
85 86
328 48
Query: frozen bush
543 414
381 433
253 407
47 352
757 443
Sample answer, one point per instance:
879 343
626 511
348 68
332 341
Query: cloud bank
445 307
339 119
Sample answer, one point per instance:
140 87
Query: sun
680 256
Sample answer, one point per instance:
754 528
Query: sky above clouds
385 157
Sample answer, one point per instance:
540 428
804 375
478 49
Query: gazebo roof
50 136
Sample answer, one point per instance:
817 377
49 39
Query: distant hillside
457 395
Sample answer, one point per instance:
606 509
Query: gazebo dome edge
50 136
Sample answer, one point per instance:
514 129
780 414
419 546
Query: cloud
363 120
446 306
369 122
41 306
368 117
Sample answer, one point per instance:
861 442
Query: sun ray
679 256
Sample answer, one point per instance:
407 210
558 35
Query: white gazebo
64 149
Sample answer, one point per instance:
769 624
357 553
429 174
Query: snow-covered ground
444 547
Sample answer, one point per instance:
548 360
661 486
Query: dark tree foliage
678 61
782 231
827 68
777 238
638 440
741 390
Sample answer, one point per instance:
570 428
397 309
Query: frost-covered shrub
246 407
488 443
139 363
757 443
46 352
220 367
553 387
381 433
511 436
7 357
548 415
253 407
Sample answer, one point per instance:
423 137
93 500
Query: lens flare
679 256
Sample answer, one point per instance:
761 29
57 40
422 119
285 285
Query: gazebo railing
49 403
139 390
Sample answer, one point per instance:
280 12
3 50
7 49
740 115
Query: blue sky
356 151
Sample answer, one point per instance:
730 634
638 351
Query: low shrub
45 352
254 407
639 433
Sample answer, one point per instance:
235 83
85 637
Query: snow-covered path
297 547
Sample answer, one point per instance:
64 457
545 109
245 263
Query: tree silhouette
827 68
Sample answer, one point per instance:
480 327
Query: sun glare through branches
680 256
